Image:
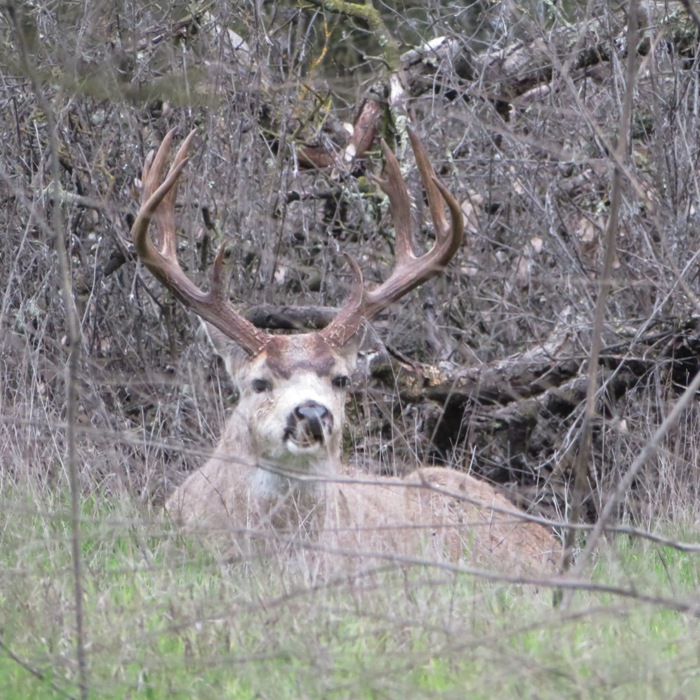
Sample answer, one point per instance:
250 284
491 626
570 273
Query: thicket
521 112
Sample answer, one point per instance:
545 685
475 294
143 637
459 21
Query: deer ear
228 350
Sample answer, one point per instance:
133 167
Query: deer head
292 388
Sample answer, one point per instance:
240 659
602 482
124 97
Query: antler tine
445 232
158 202
410 270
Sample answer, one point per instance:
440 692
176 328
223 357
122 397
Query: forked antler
410 271
158 202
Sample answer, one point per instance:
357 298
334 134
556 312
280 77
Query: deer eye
342 381
261 385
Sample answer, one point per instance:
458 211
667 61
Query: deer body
276 474
435 514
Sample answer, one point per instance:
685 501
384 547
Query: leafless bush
533 166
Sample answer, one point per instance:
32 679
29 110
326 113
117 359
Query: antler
410 271
158 202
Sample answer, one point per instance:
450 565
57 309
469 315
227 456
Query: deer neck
279 478
291 498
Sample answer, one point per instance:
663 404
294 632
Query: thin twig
32 670
692 12
74 345
368 13
689 395
583 458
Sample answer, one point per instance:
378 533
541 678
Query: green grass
165 618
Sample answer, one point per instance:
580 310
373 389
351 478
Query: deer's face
292 399
292 387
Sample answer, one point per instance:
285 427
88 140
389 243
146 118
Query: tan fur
255 490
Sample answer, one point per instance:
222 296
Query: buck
276 474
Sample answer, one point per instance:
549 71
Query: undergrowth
166 618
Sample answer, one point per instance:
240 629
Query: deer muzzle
308 424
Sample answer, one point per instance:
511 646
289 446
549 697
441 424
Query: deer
277 473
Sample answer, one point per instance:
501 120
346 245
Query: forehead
287 355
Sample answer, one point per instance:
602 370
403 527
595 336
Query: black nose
315 417
311 411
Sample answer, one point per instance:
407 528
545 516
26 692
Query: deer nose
315 417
